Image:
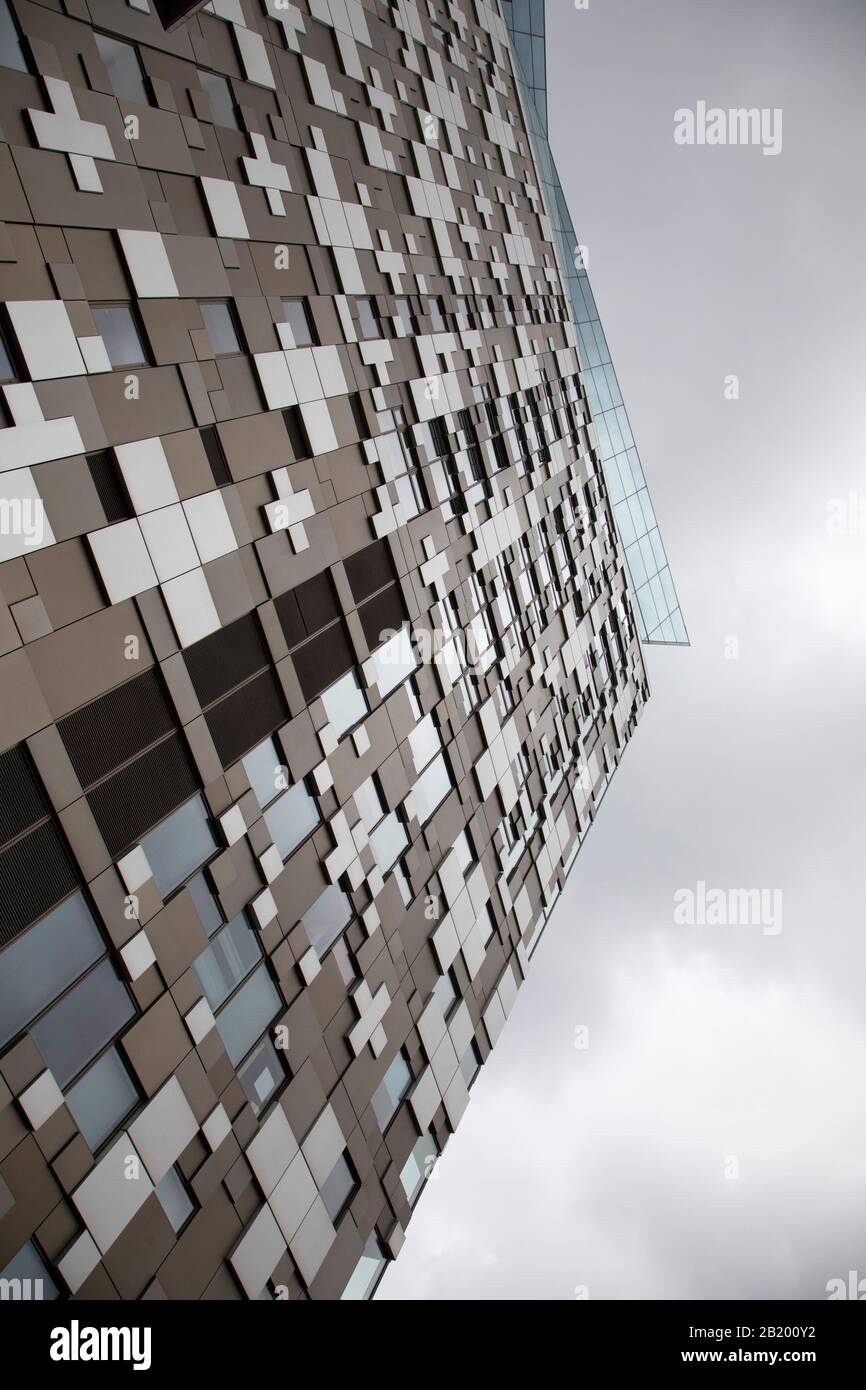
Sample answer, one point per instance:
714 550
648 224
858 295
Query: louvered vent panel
21 798
109 486
220 662
243 719
35 873
129 804
115 727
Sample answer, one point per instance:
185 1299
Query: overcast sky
606 1168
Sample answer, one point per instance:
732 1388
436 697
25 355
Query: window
445 993
11 52
342 957
370 806
99 1101
44 961
7 371
231 957
368 319
265 771
220 325
261 1074
432 787
205 904
174 1199
296 316
179 845
366 1273
403 312
124 69
418 1166
465 853
394 661
326 919
219 96
344 703
116 326
470 1063
237 986
72 1033
435 309
247 1014
338 1187
388 841
391 1090
291 819
387 836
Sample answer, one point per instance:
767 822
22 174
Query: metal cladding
318 649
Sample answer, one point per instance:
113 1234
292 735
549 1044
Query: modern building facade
319 637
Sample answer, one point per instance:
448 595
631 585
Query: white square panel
275 380
225 208
147 475
319 427
305 378
108 1199
192 609
123 560
26 525
138 955
45 337
210 525
169 541
148 264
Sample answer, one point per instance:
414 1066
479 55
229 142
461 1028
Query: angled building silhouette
325 560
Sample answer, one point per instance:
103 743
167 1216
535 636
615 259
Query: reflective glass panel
40 963
220 329
291 818
179 845
86 1018
227 961
99 1101
327 917
248 1013
116 326
391 1090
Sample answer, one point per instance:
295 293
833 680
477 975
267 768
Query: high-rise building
326 556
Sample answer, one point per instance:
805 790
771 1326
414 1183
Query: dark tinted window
77 1028
124 69
219 96
7 371
11 53
368 322
221 329
296 316
117 328
43 961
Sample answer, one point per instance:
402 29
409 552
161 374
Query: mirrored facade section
659 617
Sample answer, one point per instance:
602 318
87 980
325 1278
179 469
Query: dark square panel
317 602
369 570
323 660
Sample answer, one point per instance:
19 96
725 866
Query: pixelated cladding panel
318 652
